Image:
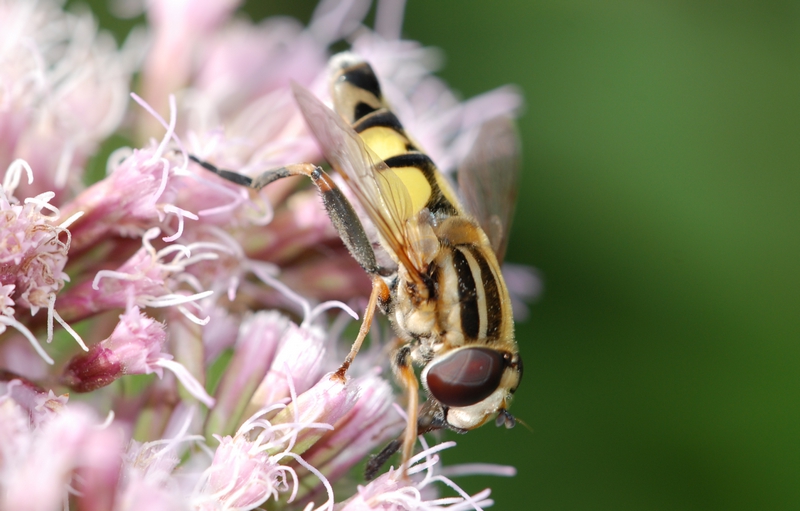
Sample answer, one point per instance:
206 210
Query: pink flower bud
368 425
90 371
298 363
315 411
259 337
134 347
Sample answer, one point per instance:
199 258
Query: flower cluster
202 324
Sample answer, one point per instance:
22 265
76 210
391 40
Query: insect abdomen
357 97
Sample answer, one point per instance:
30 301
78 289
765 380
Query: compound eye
466 377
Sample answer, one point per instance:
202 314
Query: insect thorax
463 299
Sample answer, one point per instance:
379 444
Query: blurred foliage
660 202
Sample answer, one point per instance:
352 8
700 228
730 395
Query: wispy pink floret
40 465
317 410
40 405
393 492
63 87
298 364
178 29
149 278
257 343
138 193
14 429
134 347
371 422
148 480
33 253
243 475
251 467
137 342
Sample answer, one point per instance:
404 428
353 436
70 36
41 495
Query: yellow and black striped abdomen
358 99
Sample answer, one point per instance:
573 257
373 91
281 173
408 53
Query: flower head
64 89
393 492
233 303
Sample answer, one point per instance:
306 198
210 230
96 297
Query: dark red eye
466 377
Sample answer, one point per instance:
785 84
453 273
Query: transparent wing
488 180
382 194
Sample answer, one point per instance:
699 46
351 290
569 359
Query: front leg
339 209
347 224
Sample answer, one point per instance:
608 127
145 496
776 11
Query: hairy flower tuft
64 90
33 254
134 347
228 296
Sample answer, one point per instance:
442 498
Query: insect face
472 384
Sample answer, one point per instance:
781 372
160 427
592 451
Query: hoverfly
446 298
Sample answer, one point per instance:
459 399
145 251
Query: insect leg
340 211
430 417
378 460
408 380
351 232
234 177
405 373
347 224
379 292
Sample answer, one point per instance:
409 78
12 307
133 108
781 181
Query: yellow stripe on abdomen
417 184
385 142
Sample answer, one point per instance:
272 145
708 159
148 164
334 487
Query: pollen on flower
173 270
33 254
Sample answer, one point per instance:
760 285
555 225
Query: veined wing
488 180
382 194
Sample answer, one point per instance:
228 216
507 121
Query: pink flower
393 492
242 476
33 253
168 270
40 464
371 421
133 348
64 88
259 338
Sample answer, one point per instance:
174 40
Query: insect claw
341 373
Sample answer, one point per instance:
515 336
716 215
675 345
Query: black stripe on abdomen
363 77
361 110
382 118
467 296
418 160
494 308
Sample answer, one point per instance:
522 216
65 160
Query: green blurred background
660 201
